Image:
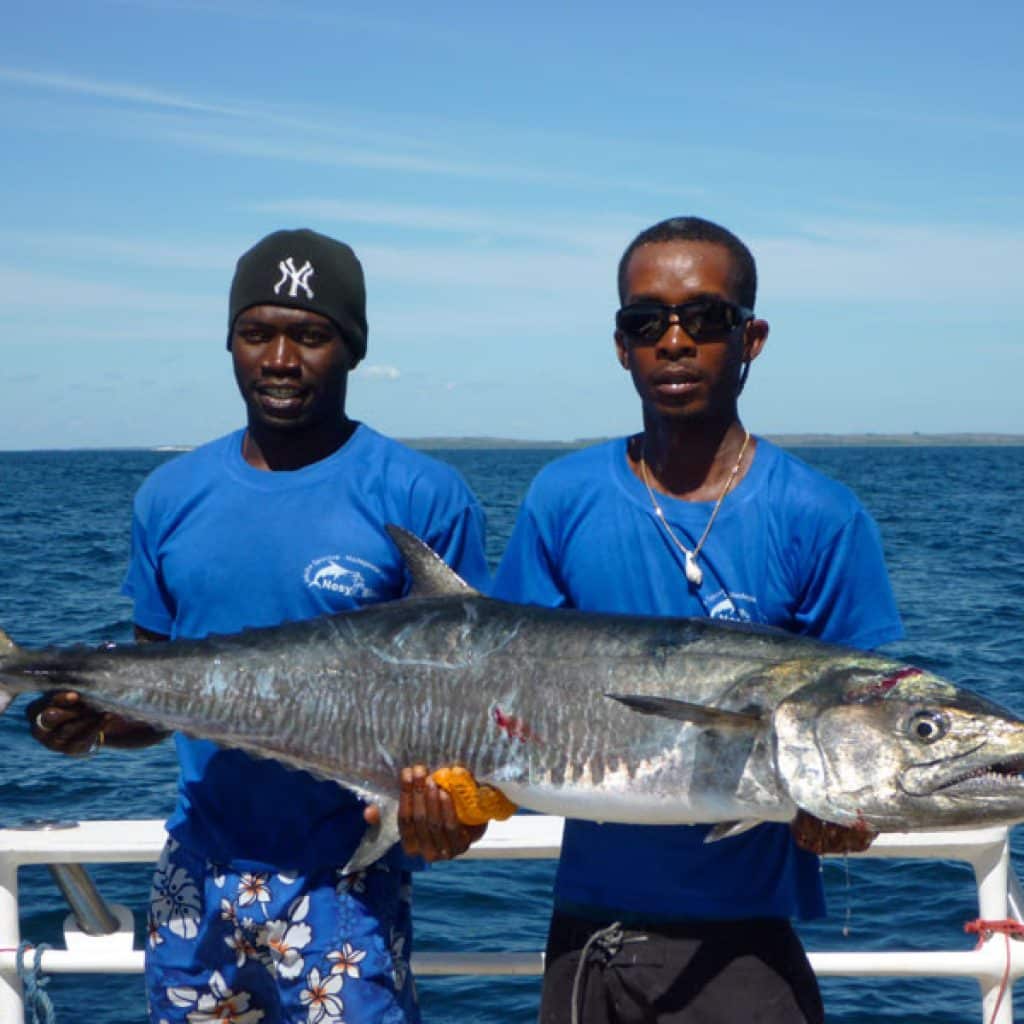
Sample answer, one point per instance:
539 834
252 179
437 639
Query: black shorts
702 972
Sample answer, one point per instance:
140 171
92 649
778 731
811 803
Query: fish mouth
1001 776
996 779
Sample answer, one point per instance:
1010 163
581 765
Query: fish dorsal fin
431 574
695 714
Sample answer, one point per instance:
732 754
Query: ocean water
952 522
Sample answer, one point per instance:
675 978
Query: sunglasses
706 319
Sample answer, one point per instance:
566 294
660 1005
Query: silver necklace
693 571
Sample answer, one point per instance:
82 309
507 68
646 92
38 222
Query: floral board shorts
261 948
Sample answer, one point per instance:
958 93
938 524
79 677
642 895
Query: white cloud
544 269
872 262
311 150
296 140
877 106
115 91
56 292
99 250
416 147
303 144
536 224
378 371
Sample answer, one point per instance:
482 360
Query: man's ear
755 335
622 350
351 359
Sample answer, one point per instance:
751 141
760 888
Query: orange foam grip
474 804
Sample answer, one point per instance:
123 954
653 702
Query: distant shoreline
966 440
783 440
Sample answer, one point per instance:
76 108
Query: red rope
985 930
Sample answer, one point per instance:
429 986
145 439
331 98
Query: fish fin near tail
7 646
377 839
431 574
728 829
695 714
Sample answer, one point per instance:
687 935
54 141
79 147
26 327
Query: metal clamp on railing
90 910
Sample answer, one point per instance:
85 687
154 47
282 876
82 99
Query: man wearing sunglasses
693 516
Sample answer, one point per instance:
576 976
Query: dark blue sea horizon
952 523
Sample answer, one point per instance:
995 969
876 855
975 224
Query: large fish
609 718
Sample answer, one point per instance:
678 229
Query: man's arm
64 721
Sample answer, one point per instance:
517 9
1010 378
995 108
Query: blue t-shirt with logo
789 548
219 546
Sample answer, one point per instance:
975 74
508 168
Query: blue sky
489 164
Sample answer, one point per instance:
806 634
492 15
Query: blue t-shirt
219 546
790 548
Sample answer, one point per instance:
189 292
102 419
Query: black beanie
303 270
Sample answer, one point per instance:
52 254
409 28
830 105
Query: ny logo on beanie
298 278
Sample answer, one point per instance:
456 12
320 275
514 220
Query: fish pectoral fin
696 714
728 829
377 839
431 574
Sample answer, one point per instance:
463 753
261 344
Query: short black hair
696 229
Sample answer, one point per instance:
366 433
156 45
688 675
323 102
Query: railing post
992 874
12 1009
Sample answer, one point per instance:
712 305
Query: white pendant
693 571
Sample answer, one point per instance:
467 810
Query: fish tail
7 647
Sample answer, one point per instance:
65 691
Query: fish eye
928 726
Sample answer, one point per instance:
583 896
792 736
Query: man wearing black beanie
280 521
303 270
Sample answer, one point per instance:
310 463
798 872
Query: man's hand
62 721
427 820
65 722
820 837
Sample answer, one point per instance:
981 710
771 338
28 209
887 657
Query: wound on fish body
513 726
883 686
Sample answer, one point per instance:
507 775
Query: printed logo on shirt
733 607
342 574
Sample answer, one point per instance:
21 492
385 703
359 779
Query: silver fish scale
513 692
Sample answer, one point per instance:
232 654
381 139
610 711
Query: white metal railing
995 965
